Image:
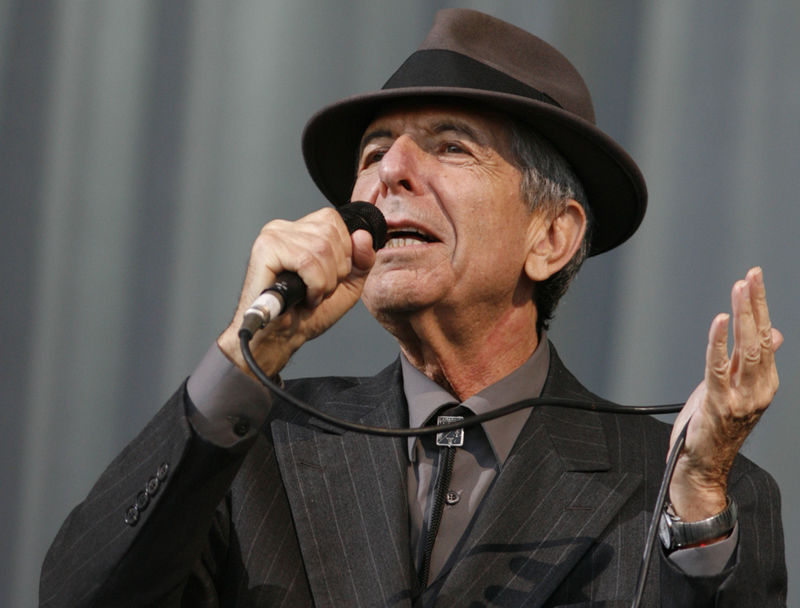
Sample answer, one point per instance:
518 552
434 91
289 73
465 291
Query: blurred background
143 144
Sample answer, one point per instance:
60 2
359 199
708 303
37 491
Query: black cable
244 340
661 500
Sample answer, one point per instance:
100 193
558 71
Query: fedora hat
472 57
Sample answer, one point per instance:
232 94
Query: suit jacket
306 514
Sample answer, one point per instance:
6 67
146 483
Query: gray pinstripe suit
307 515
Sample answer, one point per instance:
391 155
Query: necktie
447 442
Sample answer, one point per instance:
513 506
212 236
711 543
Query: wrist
697 506
675 533
695 500
268 356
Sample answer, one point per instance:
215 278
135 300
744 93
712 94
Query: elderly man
481 152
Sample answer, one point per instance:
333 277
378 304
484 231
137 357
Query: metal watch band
677 534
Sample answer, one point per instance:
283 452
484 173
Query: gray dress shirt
477 462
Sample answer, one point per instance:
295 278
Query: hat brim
614 186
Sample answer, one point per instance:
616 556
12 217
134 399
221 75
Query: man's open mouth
405 237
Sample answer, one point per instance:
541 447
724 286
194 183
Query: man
482 154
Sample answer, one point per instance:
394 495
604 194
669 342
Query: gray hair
548 182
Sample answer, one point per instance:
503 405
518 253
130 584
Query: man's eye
374 156
451 148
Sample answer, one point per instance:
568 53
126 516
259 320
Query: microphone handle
289 287
287 290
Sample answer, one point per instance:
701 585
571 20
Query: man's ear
554 240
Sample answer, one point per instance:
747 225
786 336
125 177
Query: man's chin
402 292
382 307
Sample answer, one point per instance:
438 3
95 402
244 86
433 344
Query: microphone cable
245 335
244 344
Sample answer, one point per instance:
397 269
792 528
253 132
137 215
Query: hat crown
511 51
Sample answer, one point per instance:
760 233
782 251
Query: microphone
289 288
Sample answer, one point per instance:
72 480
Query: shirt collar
424 397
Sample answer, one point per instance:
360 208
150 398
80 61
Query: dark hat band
442 68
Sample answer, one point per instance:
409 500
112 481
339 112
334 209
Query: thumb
363 254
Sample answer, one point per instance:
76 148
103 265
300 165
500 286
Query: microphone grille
359 215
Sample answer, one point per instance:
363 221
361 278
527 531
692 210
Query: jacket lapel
348 497
555 495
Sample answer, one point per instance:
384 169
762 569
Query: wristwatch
677 534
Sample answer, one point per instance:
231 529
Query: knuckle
268 234
321 247
274 226
305 260
327 220
328 213
260 247
719 369
752 353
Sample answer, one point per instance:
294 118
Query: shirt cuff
709 560
226 406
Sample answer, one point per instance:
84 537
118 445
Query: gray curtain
143 144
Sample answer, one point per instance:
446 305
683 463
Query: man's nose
399 169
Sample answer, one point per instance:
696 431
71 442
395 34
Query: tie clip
450 439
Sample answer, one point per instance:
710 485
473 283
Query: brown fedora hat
470 56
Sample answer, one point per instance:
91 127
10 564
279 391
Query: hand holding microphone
313 270
289 288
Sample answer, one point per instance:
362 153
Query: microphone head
359 215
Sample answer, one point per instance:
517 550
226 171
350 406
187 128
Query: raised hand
725 407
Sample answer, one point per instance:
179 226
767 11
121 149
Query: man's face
458 227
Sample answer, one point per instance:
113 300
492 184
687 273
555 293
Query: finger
335 253
717 363
363 254
746 346
335 272
777 340
309 251
758 302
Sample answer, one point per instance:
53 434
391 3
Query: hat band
443 68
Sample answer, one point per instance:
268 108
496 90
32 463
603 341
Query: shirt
477 463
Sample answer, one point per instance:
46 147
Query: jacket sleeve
153 521
756 574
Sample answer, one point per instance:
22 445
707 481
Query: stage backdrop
143 144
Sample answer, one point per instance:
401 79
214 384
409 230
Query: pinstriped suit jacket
309 515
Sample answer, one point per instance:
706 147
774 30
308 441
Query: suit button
452 498
241 427
142 500
163 471
152 486
131 516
